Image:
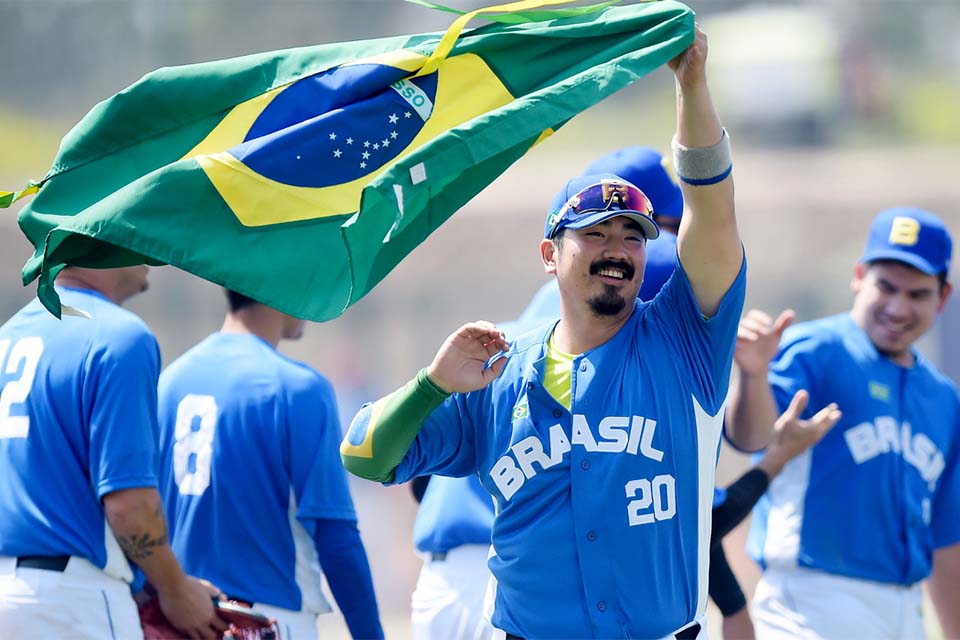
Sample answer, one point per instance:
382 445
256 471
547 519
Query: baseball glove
245 623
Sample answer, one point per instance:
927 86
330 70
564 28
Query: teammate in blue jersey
78 471
452 532
251 478
851 528
598 436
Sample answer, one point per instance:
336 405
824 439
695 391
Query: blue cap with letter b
912 236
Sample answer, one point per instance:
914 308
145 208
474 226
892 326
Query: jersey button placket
588 511
582 376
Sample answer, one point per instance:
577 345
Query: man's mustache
628 270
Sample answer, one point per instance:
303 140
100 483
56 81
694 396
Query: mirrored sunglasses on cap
607 195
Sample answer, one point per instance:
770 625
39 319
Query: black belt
438 556
47 563
690 633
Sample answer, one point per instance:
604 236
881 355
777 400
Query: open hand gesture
792 435
758 338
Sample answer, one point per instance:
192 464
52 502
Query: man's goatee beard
609 303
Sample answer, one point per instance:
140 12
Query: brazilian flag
300 178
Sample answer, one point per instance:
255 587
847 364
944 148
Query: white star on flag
407 114
376 145
366 154
394 134
333 136
349 140
337 153
393 118
385 143
363 165
366 144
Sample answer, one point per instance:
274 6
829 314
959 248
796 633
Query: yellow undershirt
558 373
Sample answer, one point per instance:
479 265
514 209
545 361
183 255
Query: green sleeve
382 432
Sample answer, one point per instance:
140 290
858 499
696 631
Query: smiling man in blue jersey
78 470
850 529
250 475
598 436
453 525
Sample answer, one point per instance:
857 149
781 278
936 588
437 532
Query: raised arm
708 241
752 409
382 432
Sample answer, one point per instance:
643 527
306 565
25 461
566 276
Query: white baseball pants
78 603
804 604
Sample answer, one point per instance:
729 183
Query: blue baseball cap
588 200
646 168
912 236
661 263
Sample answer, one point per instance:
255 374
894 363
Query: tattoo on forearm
140 547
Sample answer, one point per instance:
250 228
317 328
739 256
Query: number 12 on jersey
656 500
25 351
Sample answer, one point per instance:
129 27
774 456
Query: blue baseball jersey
77 421
881 491
603 512
453 512
249 457
458 511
